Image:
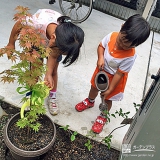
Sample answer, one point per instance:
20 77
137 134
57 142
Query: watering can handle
101 69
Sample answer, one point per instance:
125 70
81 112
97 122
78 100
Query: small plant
122 114
73 136
88 145
73 133
28 69
65 128
107 115
136 106
107 140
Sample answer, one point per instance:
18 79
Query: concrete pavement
74 81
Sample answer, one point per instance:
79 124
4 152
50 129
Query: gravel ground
64 148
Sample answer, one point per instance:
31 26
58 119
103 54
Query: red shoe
98 124
84 105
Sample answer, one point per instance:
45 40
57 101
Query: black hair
69 39
136 29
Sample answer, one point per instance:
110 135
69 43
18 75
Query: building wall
123 9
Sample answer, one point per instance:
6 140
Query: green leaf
73 137
22 123
109 145
127 112
113 115
134 103
75 133
64 127
36 127
88 145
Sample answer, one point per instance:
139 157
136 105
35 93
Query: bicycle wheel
77 10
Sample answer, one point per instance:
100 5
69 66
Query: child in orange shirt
116 56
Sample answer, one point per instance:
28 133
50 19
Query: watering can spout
103 106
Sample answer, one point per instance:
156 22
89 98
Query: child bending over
62 36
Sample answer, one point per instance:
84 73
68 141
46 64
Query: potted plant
24 132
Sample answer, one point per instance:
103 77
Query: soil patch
63 148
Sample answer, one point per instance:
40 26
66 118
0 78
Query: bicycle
77 10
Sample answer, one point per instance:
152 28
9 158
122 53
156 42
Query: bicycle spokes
77 10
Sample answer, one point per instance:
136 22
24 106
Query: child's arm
100 61
116 79
48 76
52 59
14 34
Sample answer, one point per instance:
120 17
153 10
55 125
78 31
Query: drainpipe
149 9
150 6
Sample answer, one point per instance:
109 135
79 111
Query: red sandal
85 104
99 124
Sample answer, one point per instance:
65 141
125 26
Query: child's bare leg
53 107
93 93
109 103
55 76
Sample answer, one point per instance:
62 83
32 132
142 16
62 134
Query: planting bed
63 148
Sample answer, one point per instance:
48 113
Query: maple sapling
27 69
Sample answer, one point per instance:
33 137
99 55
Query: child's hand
48 84
106 93
49 81
100 64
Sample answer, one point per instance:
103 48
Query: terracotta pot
20 154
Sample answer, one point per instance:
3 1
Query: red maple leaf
28 45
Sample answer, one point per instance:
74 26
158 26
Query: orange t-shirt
121 60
